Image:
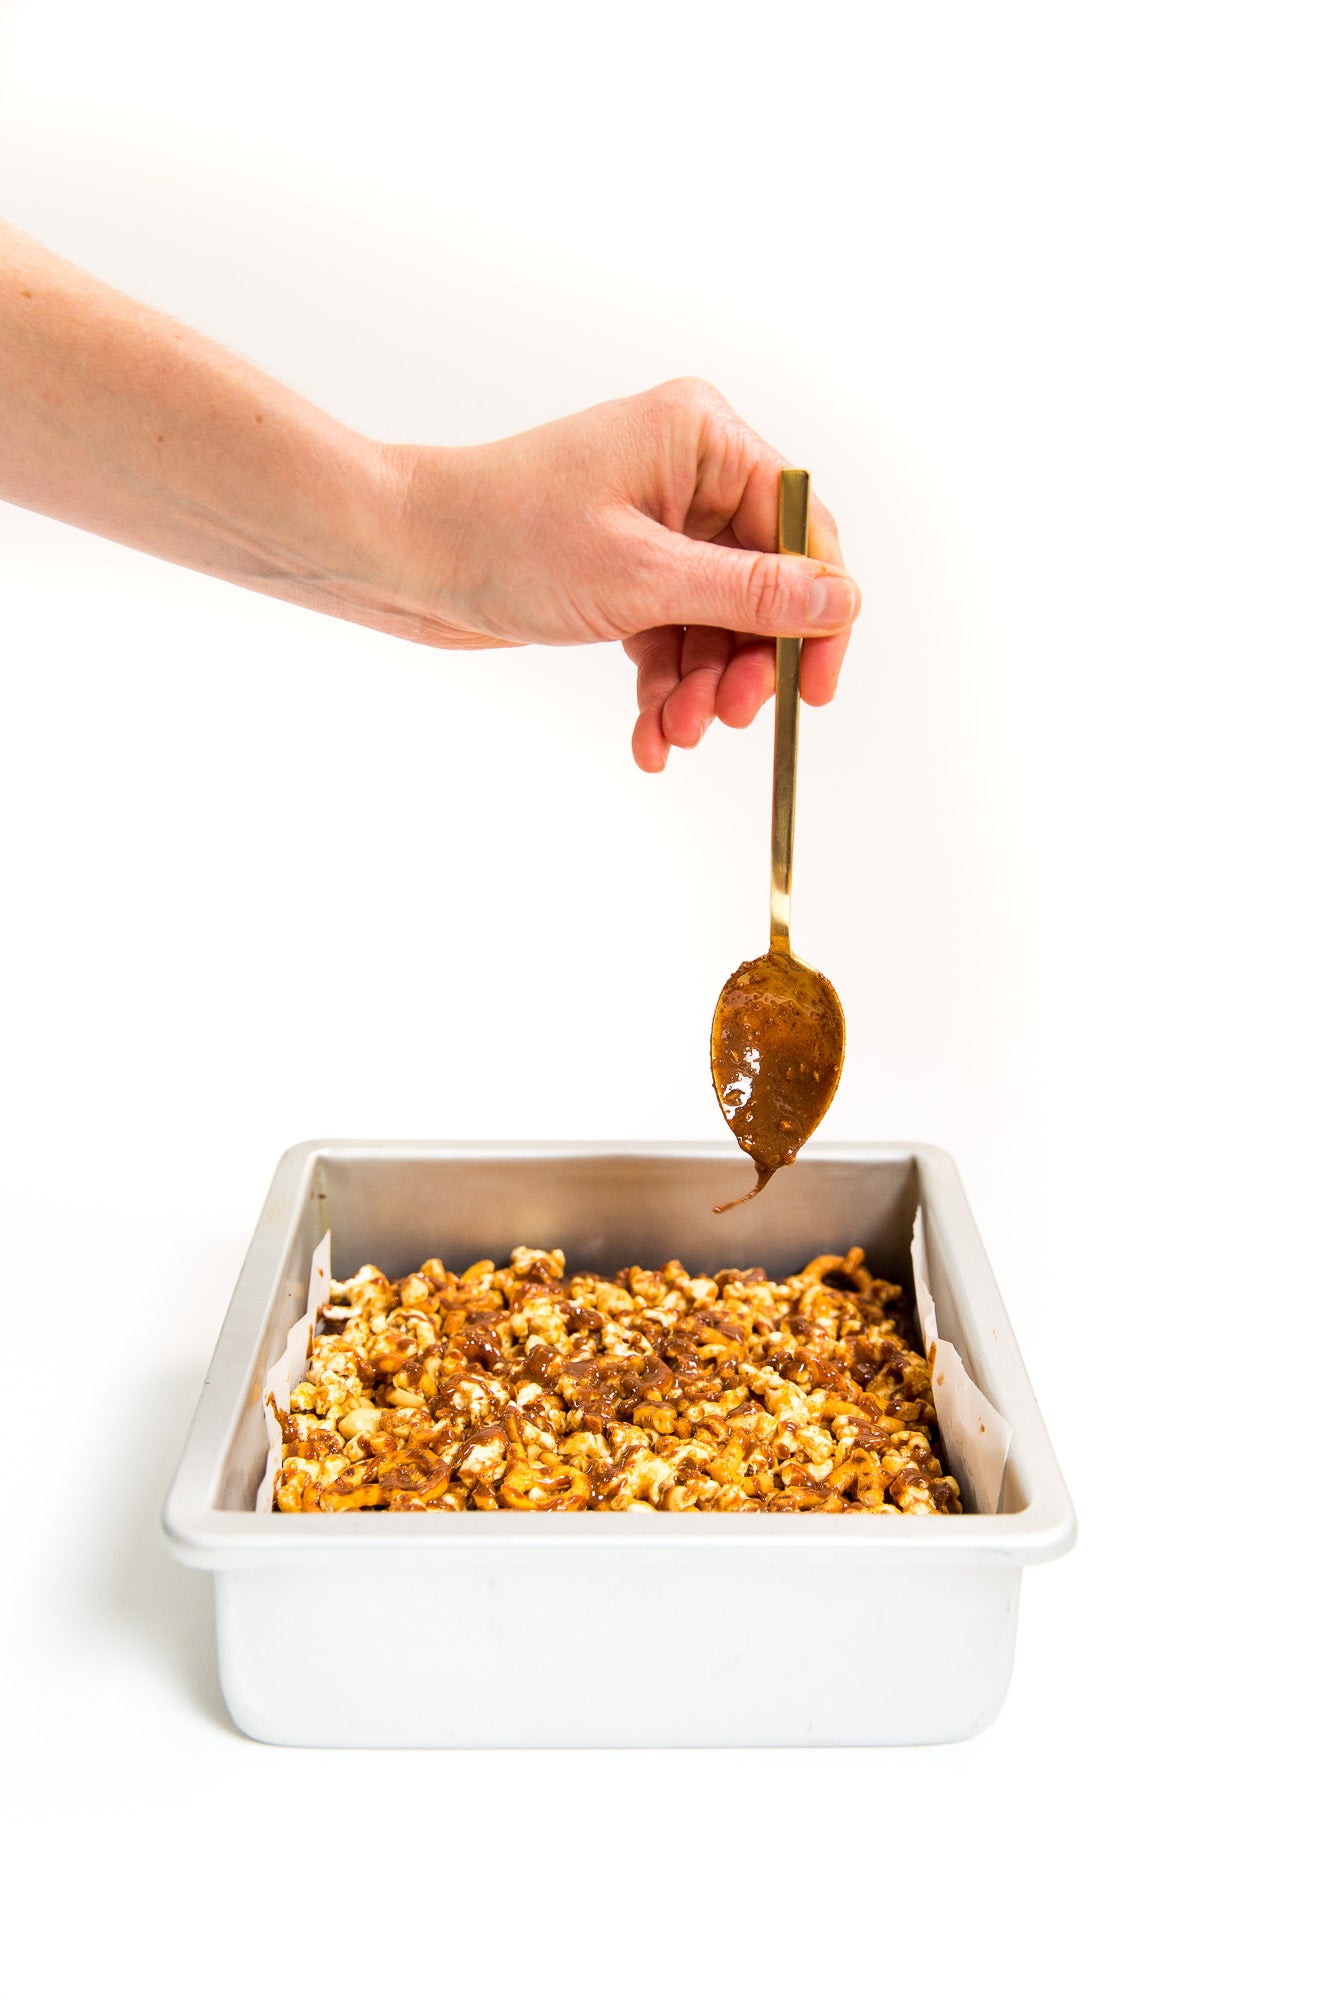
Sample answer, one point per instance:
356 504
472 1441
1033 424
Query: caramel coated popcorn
521 1387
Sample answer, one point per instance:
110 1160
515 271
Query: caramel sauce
777 1055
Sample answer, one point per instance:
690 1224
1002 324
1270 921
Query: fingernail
831 601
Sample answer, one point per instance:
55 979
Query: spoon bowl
777 1045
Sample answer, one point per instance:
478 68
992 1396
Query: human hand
651 520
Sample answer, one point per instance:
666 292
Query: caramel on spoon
778 1029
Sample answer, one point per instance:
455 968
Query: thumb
744 590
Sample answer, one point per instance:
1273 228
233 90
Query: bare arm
118 419
648 520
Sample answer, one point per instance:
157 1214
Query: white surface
1061 369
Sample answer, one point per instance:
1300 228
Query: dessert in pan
524 1387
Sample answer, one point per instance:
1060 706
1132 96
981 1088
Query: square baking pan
420 1630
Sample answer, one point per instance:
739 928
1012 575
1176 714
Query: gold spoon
778 1028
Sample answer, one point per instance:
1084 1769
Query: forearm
117 419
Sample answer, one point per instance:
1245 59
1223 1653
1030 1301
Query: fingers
686 677
656 654
746 685
821 665
748 680
738 478
740 474
648 746
679 673
691 705
744 590
755 522
714 592
824 544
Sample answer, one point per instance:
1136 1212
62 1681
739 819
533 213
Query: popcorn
521 1387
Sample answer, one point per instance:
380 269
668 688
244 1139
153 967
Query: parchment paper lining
974 1434
290 1367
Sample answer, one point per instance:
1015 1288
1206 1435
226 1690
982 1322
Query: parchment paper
975 1436
290 1367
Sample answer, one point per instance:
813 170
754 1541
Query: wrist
414 543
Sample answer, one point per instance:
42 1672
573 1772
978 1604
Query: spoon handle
793 537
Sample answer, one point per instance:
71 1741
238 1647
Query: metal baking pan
422 1630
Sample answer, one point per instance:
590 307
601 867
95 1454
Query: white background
1044 304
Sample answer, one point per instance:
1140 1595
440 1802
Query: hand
651 520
